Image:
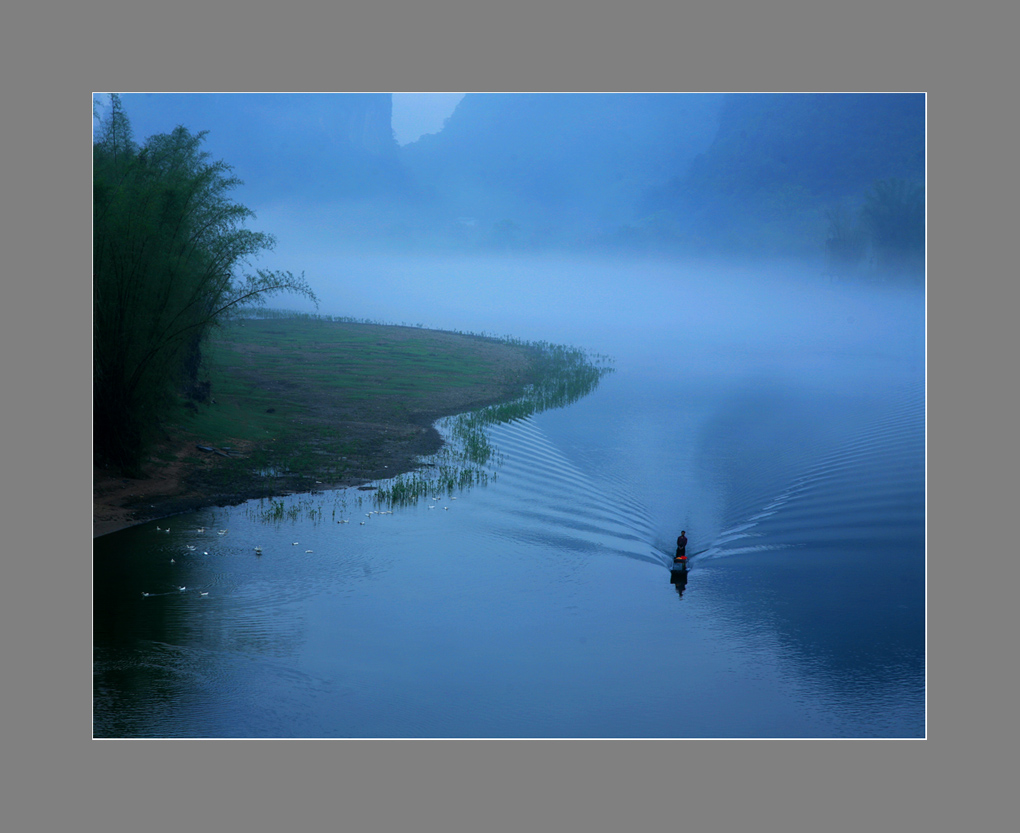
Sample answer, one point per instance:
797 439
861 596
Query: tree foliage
894 213
171 257
847 242
779 161
890 225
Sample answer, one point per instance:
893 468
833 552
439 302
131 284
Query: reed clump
563 375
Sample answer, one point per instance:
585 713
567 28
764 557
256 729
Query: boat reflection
678 575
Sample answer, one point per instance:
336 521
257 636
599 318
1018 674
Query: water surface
778 419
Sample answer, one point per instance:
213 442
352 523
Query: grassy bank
301 403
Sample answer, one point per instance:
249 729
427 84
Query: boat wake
556 502
868 489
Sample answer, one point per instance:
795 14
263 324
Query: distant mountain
555 168
296 147
778 161
751 173
829 145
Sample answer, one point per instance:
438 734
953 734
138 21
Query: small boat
678 570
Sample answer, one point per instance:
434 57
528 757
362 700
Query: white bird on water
190 547
203 592
182 588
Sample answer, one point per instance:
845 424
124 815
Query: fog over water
773 410
755 335
607 302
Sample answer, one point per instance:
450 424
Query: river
775 415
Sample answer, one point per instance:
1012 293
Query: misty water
776 415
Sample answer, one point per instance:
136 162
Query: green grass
311 399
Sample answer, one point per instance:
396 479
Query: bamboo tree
171 258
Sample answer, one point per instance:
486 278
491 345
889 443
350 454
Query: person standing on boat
681 546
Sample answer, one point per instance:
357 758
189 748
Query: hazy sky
415 114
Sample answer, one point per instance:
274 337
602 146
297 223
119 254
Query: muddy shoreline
168 489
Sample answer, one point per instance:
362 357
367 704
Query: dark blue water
783 428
